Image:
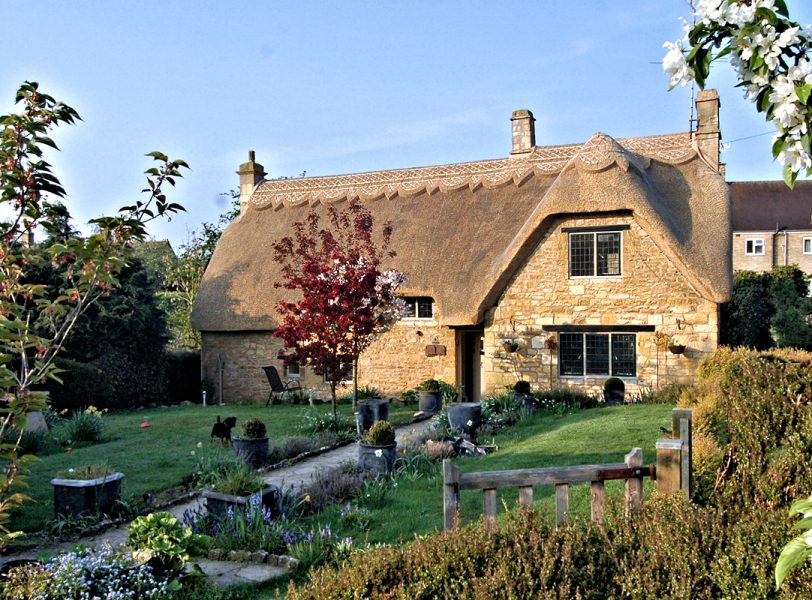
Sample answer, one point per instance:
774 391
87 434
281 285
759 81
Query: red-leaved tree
345 299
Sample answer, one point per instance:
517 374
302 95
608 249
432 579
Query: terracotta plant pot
74 497
252 451
377 459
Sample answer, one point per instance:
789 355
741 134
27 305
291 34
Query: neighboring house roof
462 231
771 205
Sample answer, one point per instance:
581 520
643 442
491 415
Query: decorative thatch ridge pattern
462 231
600 152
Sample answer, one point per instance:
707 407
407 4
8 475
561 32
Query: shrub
522 387
331 487
667 394
429 385
707 458
83 426
614 384
224 473
160 541
564 396
82 383
253 428
239 480
381 434
32 442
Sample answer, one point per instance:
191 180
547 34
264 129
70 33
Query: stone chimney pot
523 131
251 173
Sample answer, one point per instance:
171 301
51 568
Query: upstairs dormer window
595 251
418 308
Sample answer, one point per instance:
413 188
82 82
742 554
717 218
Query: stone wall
394 363
780 249
650 291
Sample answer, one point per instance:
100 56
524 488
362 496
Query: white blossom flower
675 65
378 452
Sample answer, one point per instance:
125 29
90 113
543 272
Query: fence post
682 428
669 466
451 493
634 485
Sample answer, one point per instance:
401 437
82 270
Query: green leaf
777 147
781 8
793 554
789 177
803 92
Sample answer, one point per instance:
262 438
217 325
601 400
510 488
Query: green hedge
723 547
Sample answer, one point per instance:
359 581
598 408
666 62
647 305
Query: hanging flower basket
510 346
676 348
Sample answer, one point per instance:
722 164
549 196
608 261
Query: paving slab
225 573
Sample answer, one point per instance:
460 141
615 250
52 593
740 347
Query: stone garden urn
465 416
371 411
377 459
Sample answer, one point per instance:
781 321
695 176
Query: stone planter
377 459
74 497
465 416
371 411
217 504
431 402
528 401
252 451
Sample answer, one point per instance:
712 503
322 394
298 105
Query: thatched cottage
561 265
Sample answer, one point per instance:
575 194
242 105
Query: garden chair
277 385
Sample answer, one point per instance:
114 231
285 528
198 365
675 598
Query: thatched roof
771 206
461 231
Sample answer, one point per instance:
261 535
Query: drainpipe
786 248
221 364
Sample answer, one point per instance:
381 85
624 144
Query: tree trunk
333 394
354 383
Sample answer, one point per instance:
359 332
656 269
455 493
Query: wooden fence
672 474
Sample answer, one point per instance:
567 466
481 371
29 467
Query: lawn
160 456
604 435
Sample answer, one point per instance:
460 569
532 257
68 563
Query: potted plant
521 392
465 416
87 490
510 346
252 446
237 487
431 396
614 391
377 452
674 347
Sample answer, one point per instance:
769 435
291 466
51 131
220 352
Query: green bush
253 428
315 422
570 398
159 540
522 387
381 434
82 426
83 384
429 385
614 384
667 394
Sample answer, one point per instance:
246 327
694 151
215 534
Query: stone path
227 572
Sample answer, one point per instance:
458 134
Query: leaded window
418 308
595 254
610 354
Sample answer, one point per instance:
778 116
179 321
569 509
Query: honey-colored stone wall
394 363
650 291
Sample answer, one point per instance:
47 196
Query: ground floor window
344 375
293 370
611 354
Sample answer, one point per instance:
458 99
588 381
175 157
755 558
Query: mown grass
160 456
604 435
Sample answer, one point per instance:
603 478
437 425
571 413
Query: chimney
523 132
707 134
251 173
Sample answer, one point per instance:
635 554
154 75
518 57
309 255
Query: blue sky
339 87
